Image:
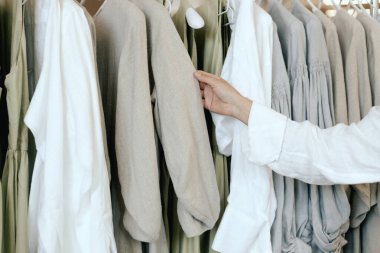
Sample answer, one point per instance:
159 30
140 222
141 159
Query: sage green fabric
15 173
176 238
210 59
206 51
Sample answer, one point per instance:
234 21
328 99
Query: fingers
204 77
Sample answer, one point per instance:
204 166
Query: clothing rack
374 7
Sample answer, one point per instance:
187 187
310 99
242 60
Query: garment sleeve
338 155
183 133
135 141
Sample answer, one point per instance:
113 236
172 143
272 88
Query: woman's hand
220 97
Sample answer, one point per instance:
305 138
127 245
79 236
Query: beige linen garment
124 81
180 122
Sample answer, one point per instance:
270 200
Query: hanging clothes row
122 157
319 215
140 132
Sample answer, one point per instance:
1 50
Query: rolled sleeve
266 129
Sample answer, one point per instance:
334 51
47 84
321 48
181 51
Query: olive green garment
15 173
210 59
185 32
177 240
29 35
4 68
207 53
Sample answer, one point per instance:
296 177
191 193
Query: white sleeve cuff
266 129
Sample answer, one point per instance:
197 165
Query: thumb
207 78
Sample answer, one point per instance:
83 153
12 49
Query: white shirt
246 223
338 155
70 204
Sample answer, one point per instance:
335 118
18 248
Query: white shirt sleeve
337 155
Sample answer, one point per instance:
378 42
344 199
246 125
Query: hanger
313 7
228 8
353 6
320 4
337 6
361 6
169 6
172 6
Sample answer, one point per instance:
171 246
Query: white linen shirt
246 223
70 202
338 155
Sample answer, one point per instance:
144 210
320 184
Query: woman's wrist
242 109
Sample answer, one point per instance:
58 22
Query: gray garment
328 205
370 228
352 38
282 229
372 32
371 225
293 43
319 111
124 81
180 122
336 65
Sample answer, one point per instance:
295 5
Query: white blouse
246 223
337 155
70 203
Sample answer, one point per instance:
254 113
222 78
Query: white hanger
228 7
320 4
169 4
193 18
100 8
313 7
360 5
354 6
337 6
172 6
369 3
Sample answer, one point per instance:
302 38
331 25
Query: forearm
241 109
338 155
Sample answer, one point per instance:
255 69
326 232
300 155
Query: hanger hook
227 8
